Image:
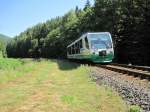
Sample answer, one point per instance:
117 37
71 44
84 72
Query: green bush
134 108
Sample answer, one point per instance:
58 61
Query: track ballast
137 71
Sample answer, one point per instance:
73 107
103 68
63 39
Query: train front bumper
102 59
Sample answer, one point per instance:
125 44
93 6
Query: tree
87 5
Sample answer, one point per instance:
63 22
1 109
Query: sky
18 15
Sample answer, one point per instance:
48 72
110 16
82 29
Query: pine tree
87 5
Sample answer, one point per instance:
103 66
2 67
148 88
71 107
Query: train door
81 46
86 47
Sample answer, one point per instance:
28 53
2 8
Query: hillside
4 38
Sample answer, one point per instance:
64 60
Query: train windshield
100 41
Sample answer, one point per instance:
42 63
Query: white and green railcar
95 47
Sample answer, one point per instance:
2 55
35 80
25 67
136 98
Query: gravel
133 90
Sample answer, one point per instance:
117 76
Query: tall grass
54 86
10 69
6 63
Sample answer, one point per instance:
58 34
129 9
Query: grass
135 108
9 63
47 86
11 69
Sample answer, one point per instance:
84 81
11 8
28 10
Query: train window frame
76 48
72 50
69 50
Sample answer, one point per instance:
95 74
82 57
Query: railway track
142 72
134 90
136 71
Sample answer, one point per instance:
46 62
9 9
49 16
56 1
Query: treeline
127 20
1 49
3 42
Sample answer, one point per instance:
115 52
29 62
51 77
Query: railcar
92 46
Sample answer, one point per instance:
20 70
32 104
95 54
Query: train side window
80 43
69 50
76 48
86 43
73 49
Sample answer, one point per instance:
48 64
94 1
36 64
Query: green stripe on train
102 59
94 58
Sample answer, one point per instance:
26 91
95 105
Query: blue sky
17 15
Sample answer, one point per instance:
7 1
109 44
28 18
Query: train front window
100 41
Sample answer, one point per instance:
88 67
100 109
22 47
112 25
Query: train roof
85 35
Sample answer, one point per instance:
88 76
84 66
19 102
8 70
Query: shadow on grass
62 63
37 59
66 65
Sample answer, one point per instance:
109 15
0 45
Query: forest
127 20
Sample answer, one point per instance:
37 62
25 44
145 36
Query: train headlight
109 51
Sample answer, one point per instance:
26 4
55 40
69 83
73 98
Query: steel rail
134 71
144 68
